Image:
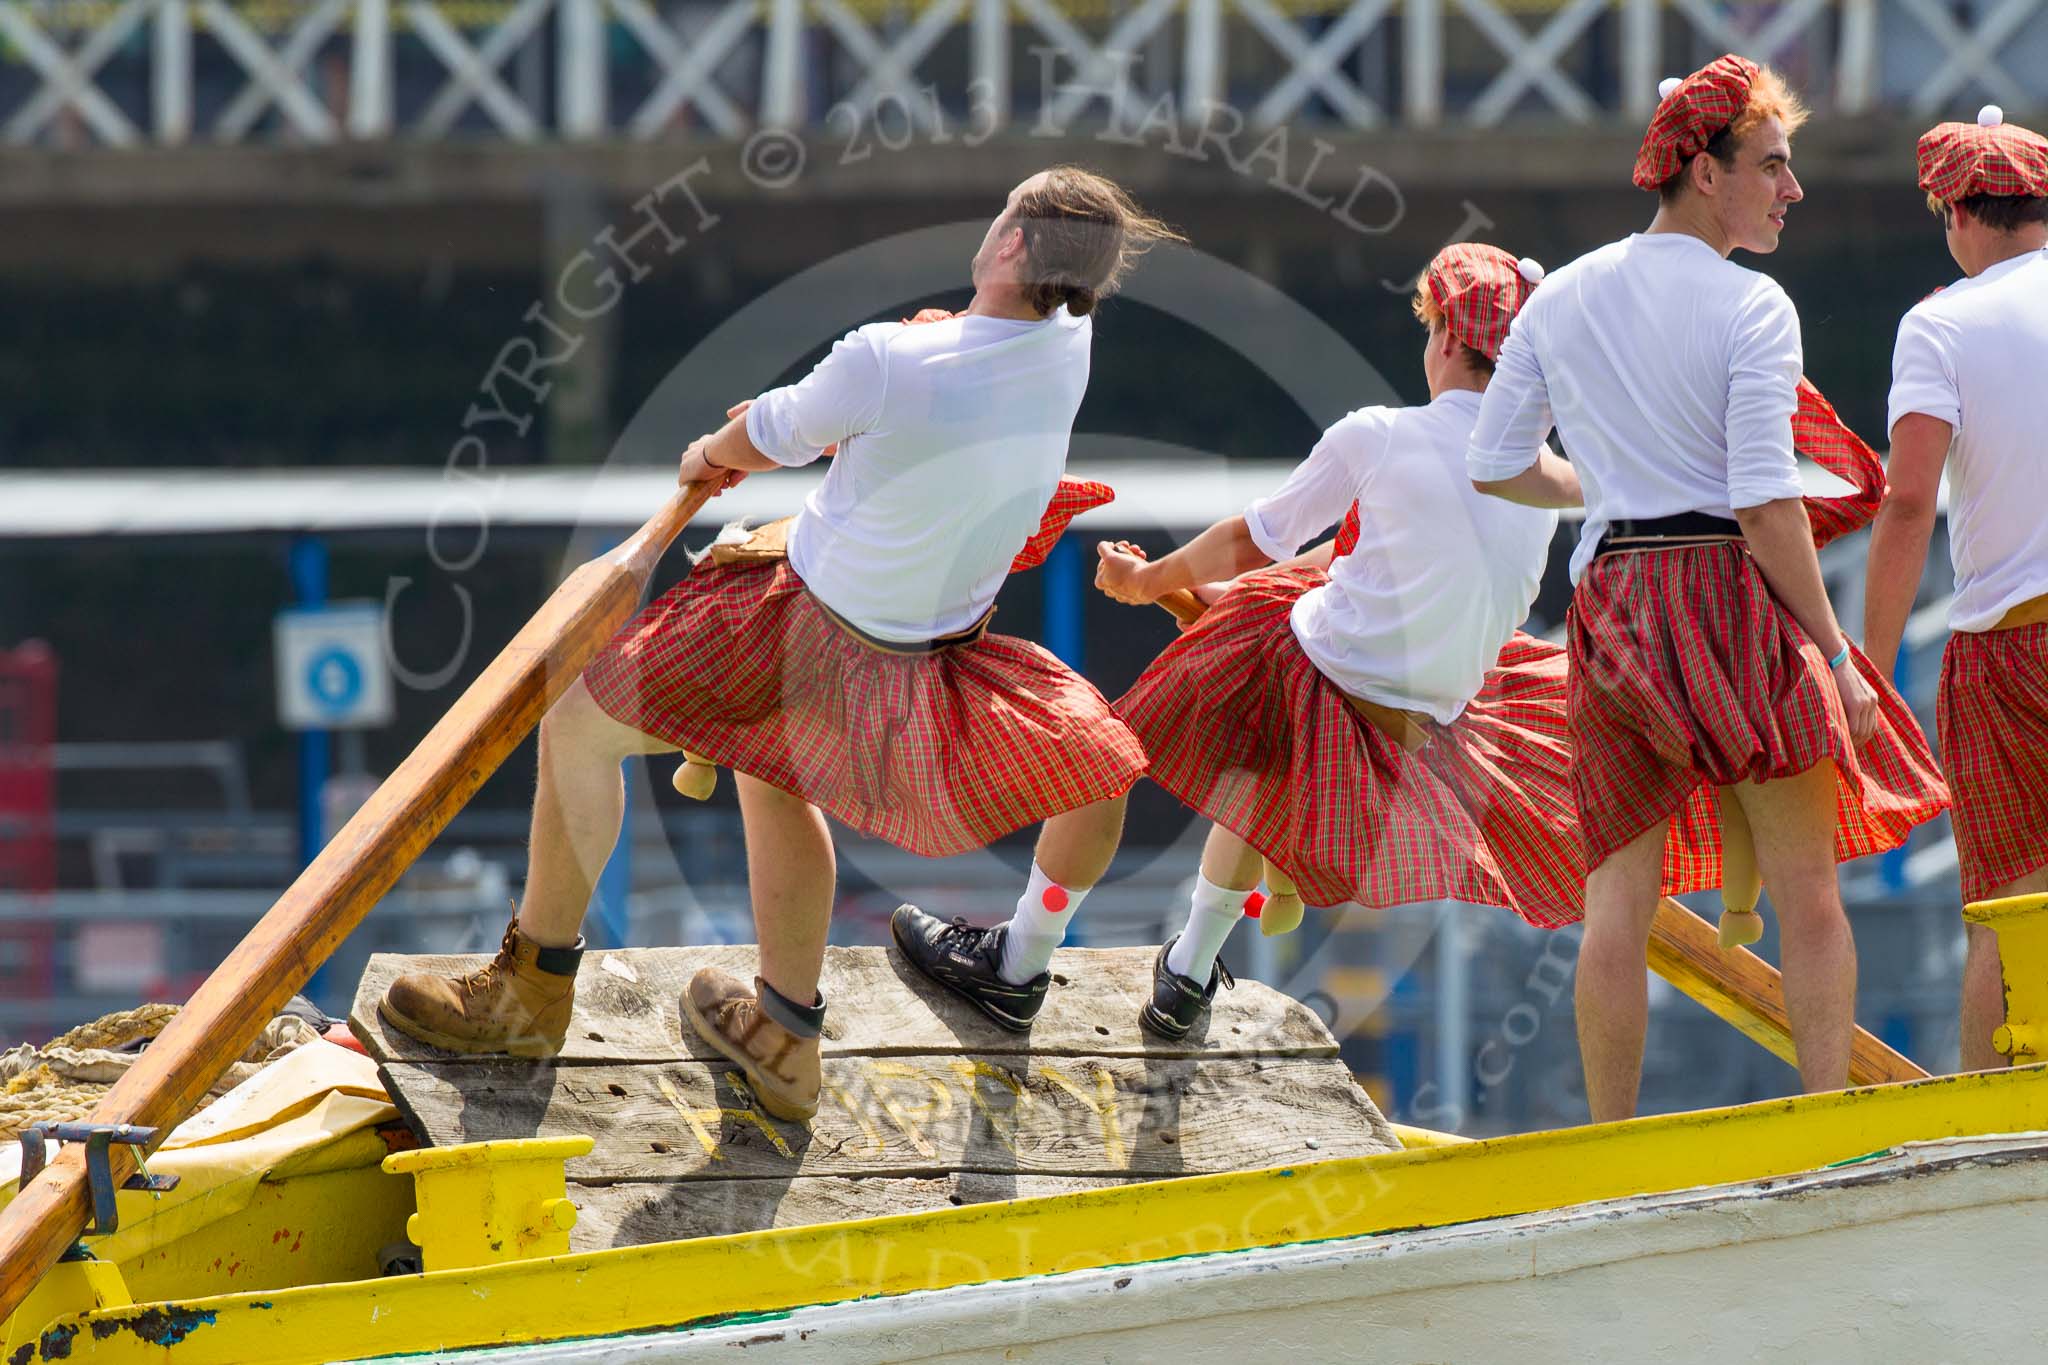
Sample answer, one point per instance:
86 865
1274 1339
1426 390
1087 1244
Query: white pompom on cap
1990 116
1668 87
1530 269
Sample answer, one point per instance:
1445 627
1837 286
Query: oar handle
1185 606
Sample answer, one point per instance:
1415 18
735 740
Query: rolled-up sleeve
1514 414
1923 373
841 397
1766 360
1321 488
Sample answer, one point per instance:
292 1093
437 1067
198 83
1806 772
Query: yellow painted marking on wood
694 1118
859 1114
907 1119
654 1287
1426 1137
750 1113
746 1113
972 1073
1102 1104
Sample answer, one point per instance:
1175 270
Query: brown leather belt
1409 729
2032 612
957 638
769 544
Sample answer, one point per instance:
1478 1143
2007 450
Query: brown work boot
517 1003
774 1041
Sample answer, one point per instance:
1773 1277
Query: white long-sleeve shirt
1976 356
1416 615
1670 373
952 437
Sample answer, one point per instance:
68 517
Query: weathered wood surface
912 1116
639 1212
1748 993
627 1010
333 894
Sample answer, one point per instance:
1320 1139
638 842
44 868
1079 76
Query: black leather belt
1663 533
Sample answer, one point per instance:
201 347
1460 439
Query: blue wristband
1836 662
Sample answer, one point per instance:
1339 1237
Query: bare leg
1793 820
577 808
1611 996
1076 846
791 874
1984 983
1230 862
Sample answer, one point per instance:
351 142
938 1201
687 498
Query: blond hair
1426 311
1082 232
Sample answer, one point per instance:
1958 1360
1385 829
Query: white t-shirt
952 438
1416 615
1976 356
1670 373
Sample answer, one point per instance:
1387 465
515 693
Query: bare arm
1225 550
1898 543
1321 557
1550 482
1781 541
727 454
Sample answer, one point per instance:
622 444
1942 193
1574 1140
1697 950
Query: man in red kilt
1967 395
1703 648
854 676
1372 723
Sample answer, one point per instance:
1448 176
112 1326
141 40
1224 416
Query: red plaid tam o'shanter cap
1689 113
1990 156
1479 289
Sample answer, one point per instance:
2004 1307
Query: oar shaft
339 887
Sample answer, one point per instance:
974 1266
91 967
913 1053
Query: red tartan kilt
1992 714
937 753
1243 727
1687 675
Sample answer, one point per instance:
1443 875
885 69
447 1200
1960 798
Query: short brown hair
1769 97
1999 212
1432 317
1082 232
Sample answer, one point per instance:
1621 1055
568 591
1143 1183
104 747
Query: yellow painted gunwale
670 1284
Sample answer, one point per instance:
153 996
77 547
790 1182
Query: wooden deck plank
911 1116
636 1213
626 1010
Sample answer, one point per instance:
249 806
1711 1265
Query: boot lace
486 976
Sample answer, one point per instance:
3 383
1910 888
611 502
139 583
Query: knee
576 723
1981 941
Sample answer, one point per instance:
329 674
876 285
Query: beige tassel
1282 912
1741 883
697 778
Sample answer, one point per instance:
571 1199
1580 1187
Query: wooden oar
1749 993
1734 983
348 877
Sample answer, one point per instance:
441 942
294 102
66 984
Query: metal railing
134 72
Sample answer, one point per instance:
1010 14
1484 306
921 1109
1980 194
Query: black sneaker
965 960
1177 1002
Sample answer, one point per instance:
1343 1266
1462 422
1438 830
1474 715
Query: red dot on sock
1054 899
1253 904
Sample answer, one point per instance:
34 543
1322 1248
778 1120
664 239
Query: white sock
1213 912
1038 926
